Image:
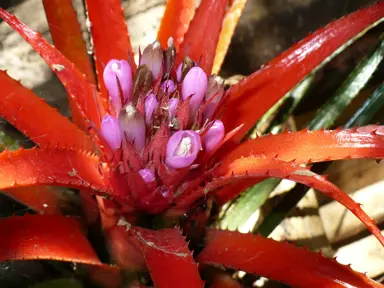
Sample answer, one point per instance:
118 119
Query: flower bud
172 106
111 131
195 84
118 75
142 82
168 86
169 57
182 149
214 136
147 174
153 58
215 89
132 126
150 106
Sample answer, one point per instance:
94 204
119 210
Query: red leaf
67 35
231 19
279 261
252 97
314 146
168 258
260 167
58 167
43 199
34 237
109 34
79 89
175 22
203 33
36 119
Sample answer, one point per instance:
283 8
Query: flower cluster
184 98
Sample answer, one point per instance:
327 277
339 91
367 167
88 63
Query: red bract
155 149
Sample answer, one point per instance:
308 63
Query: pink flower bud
153 58
111 131
168 86
118 73
172 106
182 149
150 106
132 126
147 174
214 136
216 90
195 84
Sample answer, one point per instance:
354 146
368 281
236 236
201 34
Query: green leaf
326 117
369 108
251 200
332 109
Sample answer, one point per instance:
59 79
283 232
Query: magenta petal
147 174
182 149
195 85
111 131
216 90
172 106
214 136
118 72
168 86
153 58
179 72
132 126
150 106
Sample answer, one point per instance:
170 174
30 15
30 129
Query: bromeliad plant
153 141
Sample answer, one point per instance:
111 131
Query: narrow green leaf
247 204
332 109
326 117
272 120
252 199
369 108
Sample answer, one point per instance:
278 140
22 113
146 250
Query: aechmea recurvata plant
156 139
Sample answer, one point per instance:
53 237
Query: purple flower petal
118 73
132 126
147 174
195 84
111 131
150 106
215 89
179 72
168 86
182 149
214 136
153 58
172 106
